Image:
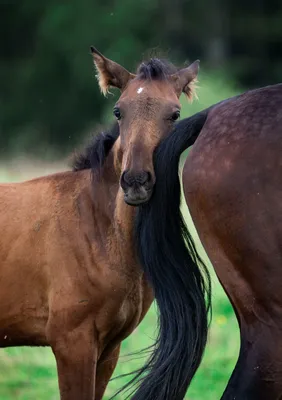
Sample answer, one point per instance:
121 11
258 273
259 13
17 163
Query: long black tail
178 276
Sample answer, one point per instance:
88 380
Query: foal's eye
117 113
175 116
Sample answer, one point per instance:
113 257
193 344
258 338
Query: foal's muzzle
137 187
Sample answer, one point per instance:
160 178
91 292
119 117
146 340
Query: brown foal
69 274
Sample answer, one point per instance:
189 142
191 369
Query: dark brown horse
70 277
232 185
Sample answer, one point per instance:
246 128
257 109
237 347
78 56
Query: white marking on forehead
140 90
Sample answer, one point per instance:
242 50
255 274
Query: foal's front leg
76 356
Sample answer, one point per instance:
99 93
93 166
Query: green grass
27 374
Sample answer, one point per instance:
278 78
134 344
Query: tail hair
178 276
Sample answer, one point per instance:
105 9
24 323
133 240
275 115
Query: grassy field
27 374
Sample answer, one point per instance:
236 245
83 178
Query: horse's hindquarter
232 184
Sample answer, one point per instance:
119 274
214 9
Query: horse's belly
20 332
23 305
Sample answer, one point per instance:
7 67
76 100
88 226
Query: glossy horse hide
232 186
70 277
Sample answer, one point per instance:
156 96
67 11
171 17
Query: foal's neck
122 215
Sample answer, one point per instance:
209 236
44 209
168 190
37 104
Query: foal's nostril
144 178
131 179
127 178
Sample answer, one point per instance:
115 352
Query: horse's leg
75 351
105 369
258 372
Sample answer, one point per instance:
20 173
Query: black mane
94 155
156 69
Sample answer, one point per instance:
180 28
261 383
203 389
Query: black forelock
156 69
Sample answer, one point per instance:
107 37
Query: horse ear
184 80
110 74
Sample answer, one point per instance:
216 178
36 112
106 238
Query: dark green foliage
48 94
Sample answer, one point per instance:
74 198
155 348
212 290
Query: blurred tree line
48 94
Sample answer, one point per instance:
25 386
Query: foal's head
146 111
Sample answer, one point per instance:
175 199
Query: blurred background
50 103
